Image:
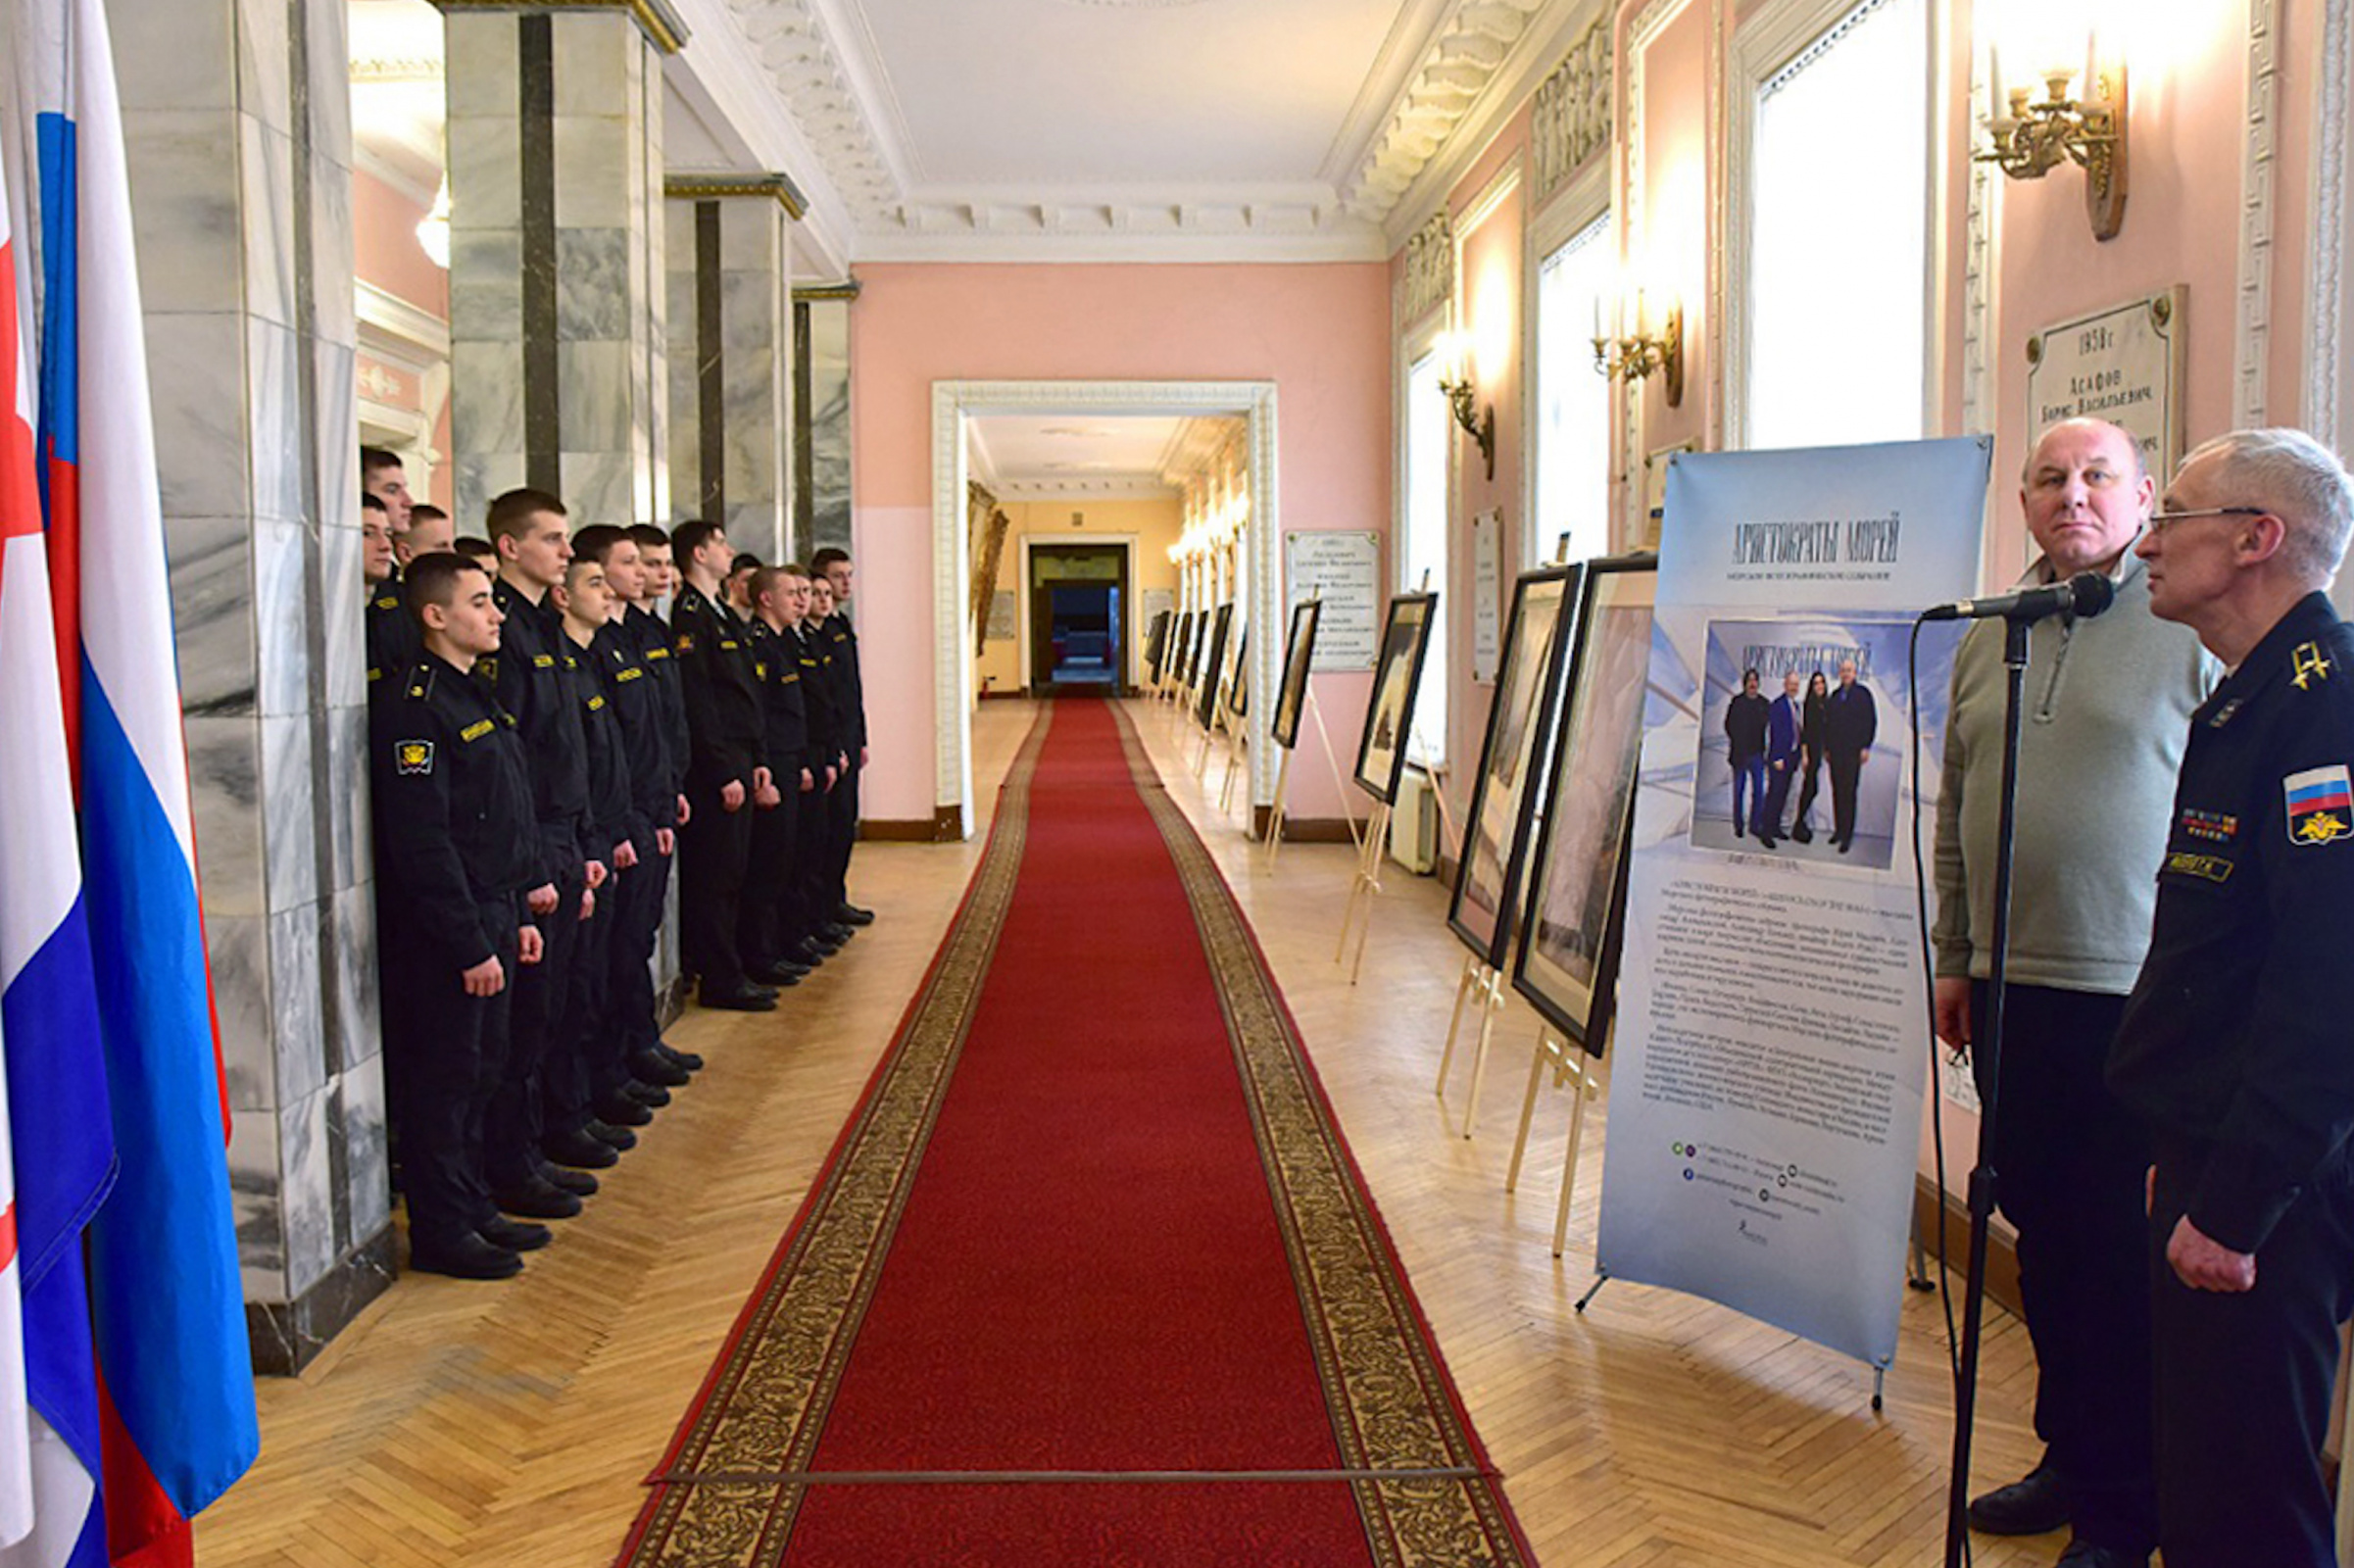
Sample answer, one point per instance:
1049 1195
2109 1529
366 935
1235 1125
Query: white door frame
1056 541
954 401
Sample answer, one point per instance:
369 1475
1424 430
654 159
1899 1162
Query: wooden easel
1367 887
1570 1067
1283 786
1238 752
1488 986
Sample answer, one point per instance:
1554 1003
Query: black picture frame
1299 655
1182 648
1516 751
1381 752
1156 644
1573 916
1206 694
1194 653
1238 689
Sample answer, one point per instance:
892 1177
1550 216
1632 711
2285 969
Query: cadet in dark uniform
392 639
585 1111
814 938
2235 1043
656 1061
838 662
626 1027
455 851
535 684
722 695
770 923
835 566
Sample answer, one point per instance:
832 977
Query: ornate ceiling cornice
1466 51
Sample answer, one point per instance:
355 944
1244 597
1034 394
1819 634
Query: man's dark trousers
512 1135
444 1053
713 851
2070 1161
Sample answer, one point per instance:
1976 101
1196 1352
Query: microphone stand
1987 1046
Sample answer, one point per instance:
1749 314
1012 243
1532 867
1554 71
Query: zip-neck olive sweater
2103 720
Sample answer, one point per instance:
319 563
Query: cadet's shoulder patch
630 672
659 652
2308 663
543 660
413 756
686 642
388 602
374 675
2321 805
759 667
727 644
596 703
477 729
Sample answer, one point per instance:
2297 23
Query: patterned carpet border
1392 1406
715 1502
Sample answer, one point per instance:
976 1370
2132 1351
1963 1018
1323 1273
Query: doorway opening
1078 598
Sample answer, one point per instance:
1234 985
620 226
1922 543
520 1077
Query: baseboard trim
946 825
1314 829
2002 1252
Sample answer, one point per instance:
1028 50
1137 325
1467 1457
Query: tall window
1427 423
1573 430
1838 248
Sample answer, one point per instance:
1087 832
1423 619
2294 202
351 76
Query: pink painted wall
384 230
1319 332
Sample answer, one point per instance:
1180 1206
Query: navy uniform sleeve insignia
477 729
686 642
2308 662
2321 805
413 756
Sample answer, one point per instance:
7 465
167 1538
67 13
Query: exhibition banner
1773 1020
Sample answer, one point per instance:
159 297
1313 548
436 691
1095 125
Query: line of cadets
542 745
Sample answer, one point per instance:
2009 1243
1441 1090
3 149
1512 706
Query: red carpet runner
1090 1278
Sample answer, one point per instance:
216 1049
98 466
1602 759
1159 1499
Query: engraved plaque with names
2122 364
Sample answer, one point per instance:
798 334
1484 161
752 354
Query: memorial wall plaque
2122 364
1344 570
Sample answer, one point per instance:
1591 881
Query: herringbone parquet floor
510 1424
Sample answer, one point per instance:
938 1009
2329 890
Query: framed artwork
1206 694
1237 690
1156 644
1298 650
1571 922
1520 728
1380 752
1196 649
1182 648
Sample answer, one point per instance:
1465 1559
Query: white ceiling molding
1471 44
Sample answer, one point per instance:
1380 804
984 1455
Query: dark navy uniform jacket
393 641
619 663
453 808
536 679
652 635
721 692
784 707
2238 1043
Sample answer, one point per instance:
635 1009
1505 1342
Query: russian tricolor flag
175 1383
62 1158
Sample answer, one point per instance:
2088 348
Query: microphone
2085 594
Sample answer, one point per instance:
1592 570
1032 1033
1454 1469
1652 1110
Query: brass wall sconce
2032 138
1636 356
1454 379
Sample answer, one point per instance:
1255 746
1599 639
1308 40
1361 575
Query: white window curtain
1839 246
1428 422
1574 286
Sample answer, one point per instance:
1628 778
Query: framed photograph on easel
1381 754
1298 650
1512 759
1206 692
1156 646
1237 690
1572 920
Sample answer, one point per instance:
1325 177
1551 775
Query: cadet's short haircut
426 512
795 567
580 564
826 557
433 579
745 560
477 550
692 535
647 536
768 577
511 513
596 541
372 459
369 502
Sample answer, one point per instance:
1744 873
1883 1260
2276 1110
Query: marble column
236 114
730 292
559 346
821 426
